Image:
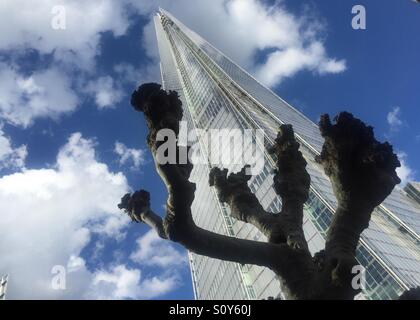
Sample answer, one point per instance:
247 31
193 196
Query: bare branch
291 182
178 226
362 173
244 205
137 206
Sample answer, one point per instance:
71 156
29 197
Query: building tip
159 12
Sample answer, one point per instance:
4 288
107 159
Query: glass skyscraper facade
218 94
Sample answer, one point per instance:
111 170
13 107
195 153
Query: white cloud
29 26
11 157
136 156
48 92
405 173
394 119
75 264
157 286
331 66
48 216
43 94
106 91
240 28
287 62
243 28
120 283
124 283
154 251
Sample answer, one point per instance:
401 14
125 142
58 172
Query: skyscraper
218 94
413 190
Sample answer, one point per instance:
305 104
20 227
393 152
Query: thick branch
178 226
181 229
362 173
137 206
242 251
291 182
244 205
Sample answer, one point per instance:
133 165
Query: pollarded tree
362 173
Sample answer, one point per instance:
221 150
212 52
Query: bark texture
362 172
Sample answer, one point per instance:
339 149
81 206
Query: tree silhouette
362 173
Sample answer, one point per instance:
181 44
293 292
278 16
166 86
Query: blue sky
71 145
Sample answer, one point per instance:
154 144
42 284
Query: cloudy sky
71 146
